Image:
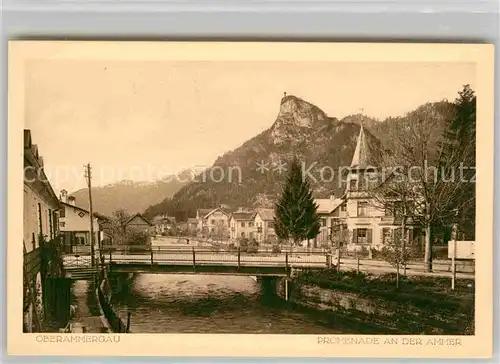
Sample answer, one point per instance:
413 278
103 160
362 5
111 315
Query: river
165 303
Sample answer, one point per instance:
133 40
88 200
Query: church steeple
361 157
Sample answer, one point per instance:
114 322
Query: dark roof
142 217
101 216
242 215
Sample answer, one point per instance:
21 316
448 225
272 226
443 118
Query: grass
421 304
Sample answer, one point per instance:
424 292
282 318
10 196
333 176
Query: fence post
286 262
194 259
152 259
110 256
239 257
357 256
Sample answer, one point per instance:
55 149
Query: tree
119 221
419 185
458 152
339 237
296 211
397 252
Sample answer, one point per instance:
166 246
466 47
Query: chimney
72 200
332 197
64 196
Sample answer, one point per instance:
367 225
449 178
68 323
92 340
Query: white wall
73 222
30 217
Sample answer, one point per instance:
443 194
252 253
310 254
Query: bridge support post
194 260
286 289
239 257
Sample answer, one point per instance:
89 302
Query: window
343 207
242 234
386 236
62 212
40 223
323 222
242 224
213 222
62 224
250 224
270 224
51 233
362 236
362 208
389 209
352 184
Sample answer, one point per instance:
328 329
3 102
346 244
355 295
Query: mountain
250 174
128 195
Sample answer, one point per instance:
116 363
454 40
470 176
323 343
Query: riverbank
421 305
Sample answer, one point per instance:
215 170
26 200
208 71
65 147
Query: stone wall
384 315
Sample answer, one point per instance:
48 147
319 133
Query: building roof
327 205
211 211
203 212
141 217
362 156
164 220
265 214
242 215
32 156
192 220
77 207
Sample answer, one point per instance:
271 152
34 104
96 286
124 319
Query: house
105 228
192 225
40 203
264 224
74 223
331 211
40 218
242 224
368 222
140 223
213 221
164 224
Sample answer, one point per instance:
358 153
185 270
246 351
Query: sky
141 120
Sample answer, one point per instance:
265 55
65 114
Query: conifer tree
458 152
296 217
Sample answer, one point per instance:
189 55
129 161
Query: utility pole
88 177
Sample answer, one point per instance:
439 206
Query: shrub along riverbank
421 305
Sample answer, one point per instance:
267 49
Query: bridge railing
197 256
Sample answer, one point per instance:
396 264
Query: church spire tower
360 165
360 159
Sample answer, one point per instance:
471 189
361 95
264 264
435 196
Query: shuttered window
369 236
386 235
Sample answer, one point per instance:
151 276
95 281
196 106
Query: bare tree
415 184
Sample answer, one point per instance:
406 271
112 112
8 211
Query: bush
243 244
252 249
231 246
276 249
253 246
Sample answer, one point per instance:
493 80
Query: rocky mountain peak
295 114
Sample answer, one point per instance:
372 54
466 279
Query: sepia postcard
250 199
